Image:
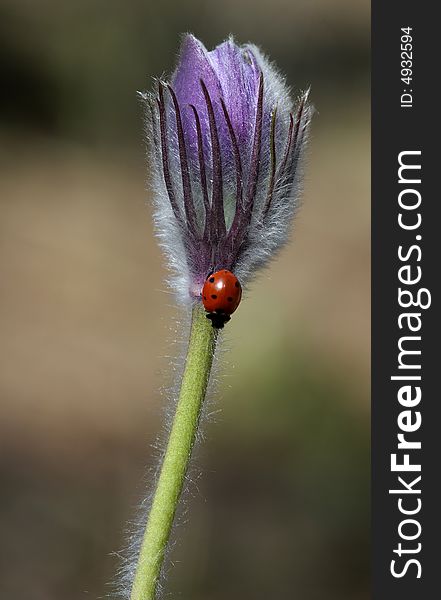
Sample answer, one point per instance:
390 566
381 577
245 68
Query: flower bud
226 143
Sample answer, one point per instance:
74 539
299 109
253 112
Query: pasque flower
226 143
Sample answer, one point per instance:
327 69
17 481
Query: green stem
177 456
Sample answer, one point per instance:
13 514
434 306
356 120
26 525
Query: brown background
279 504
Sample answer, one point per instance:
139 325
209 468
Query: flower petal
194 65
238 74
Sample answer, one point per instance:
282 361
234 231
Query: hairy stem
177 456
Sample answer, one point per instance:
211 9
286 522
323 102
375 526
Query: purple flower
226 144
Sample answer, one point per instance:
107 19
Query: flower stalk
195 379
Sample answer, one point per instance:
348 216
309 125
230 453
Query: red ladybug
221 296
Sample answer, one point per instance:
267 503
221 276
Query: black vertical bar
402 123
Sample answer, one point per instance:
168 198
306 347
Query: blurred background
278 506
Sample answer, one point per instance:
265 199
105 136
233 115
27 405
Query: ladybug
221 296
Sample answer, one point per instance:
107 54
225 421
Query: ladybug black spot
237 284
205 297
211 280
230 299
214 296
